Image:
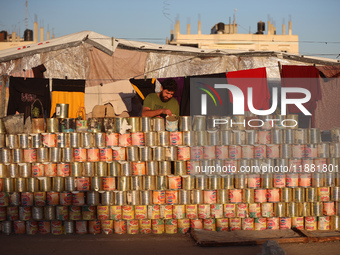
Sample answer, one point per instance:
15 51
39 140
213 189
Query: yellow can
166 211
267 209
103 212
178 211
260 224
31 227
154 212
323 194
128 212
248 224
209 224
3 213
235 224
132 227
157 226
88 212
107 226
229 210
140 212
183 225
171 226
298 222
39 198
324 222
311 223
254 210
75 212
145 226
191 211
203 211
62 212
222 224
116 212
242 210
216 211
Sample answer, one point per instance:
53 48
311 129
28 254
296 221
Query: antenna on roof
26 16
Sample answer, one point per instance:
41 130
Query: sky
315 22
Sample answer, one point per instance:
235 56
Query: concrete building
13 40
225 36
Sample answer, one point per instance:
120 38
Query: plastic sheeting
161 65
71 62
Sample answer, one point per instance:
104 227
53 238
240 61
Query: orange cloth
74 99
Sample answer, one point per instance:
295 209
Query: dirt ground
139 244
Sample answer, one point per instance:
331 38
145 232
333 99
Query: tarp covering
102 42
123 64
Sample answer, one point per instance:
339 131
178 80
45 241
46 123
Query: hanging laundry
23 92
4 94
143 87
38 71
72 92
252 78
302 77
327 113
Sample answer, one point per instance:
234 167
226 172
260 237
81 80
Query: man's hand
153 113
167 112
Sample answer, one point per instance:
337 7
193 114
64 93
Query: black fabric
38 71
145 86
68 85
23 92
304 121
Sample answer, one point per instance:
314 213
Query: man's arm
146 112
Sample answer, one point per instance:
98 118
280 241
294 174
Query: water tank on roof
28 35
3 36
261 26
220 27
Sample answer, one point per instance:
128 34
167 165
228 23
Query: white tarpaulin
99 41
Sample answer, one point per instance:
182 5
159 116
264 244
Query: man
162 104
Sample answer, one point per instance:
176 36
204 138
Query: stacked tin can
142 175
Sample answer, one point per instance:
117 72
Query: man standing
162 103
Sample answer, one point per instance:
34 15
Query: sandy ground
139 244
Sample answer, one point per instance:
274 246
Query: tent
107 63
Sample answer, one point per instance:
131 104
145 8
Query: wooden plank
217 239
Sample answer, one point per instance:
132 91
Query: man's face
166 95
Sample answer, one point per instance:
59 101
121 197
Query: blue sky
316 22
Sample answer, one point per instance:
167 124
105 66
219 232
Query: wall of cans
159 179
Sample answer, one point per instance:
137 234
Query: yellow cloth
74 99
